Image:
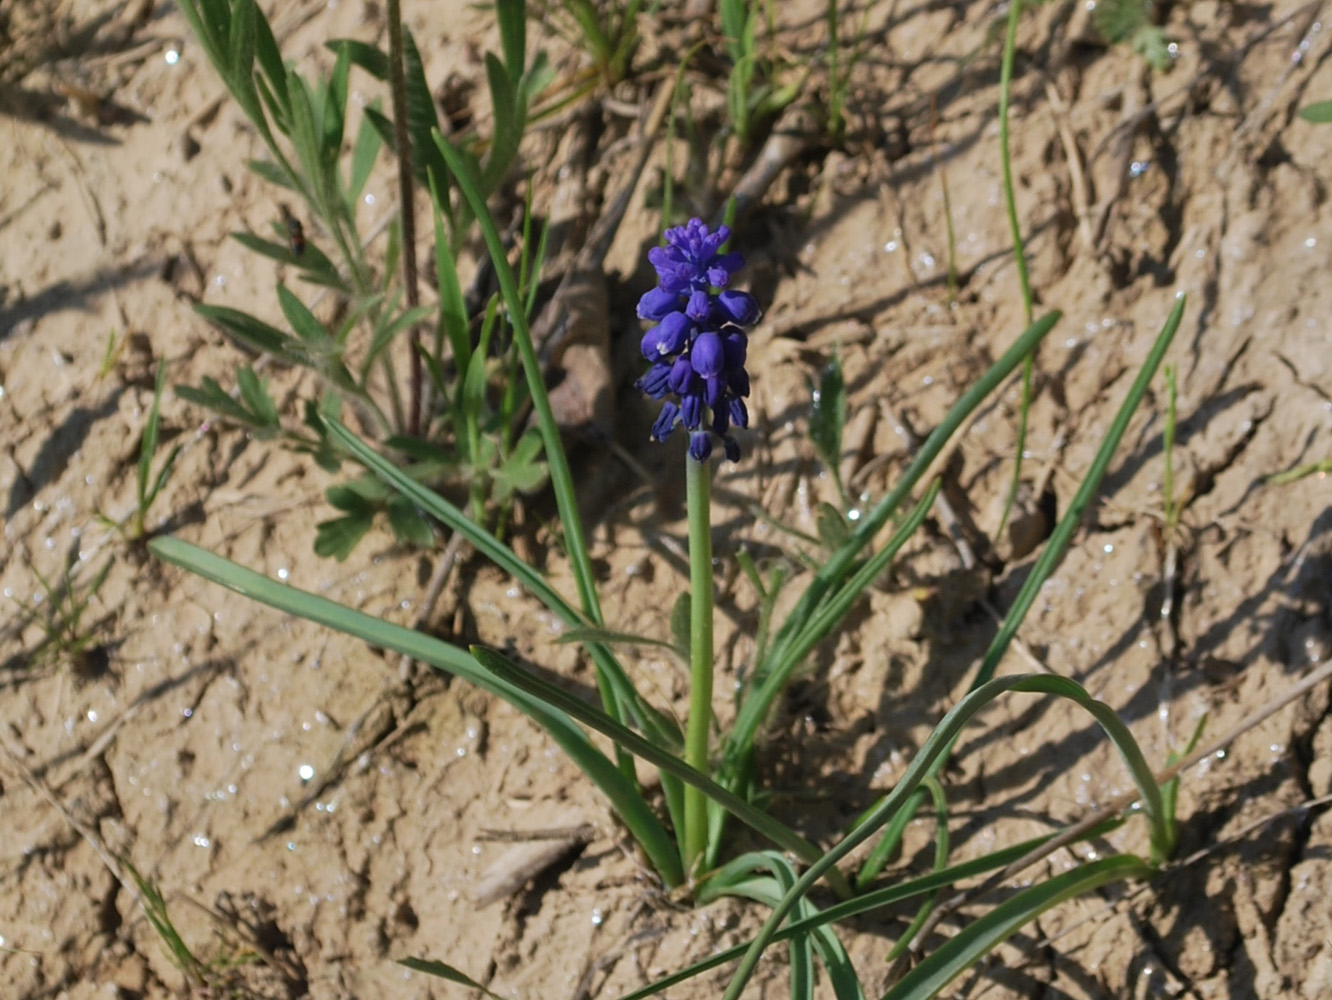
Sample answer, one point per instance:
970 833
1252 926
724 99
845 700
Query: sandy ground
180 741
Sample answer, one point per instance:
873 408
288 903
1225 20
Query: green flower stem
698 487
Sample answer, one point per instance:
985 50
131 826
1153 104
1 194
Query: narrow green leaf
209 20
610 637
536 80
213 397
370 58
270 61
305 134
441 970
241 43
474 383
885 849
512 18
389 331
163 475
941 852
452 305
254 333
254 394
589 22
148 444
335 109
315 267
961 951
632 809
422 118
364 154
508 128
304 322
827 418
273 173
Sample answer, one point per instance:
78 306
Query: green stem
1006 156
698 486
1019 246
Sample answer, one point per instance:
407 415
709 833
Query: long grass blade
1059 539
560 476
964 949
625 799
740 878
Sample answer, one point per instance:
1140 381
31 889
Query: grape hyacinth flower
697 347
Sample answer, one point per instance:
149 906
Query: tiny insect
295 231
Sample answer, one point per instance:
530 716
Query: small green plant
197 973
755 90
1129 22
61 613
454 426
221 975
1319 468
610 37
148 484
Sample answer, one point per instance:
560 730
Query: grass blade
964 949
561 478
1059 539
628 804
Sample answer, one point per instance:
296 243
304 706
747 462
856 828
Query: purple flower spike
697 347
